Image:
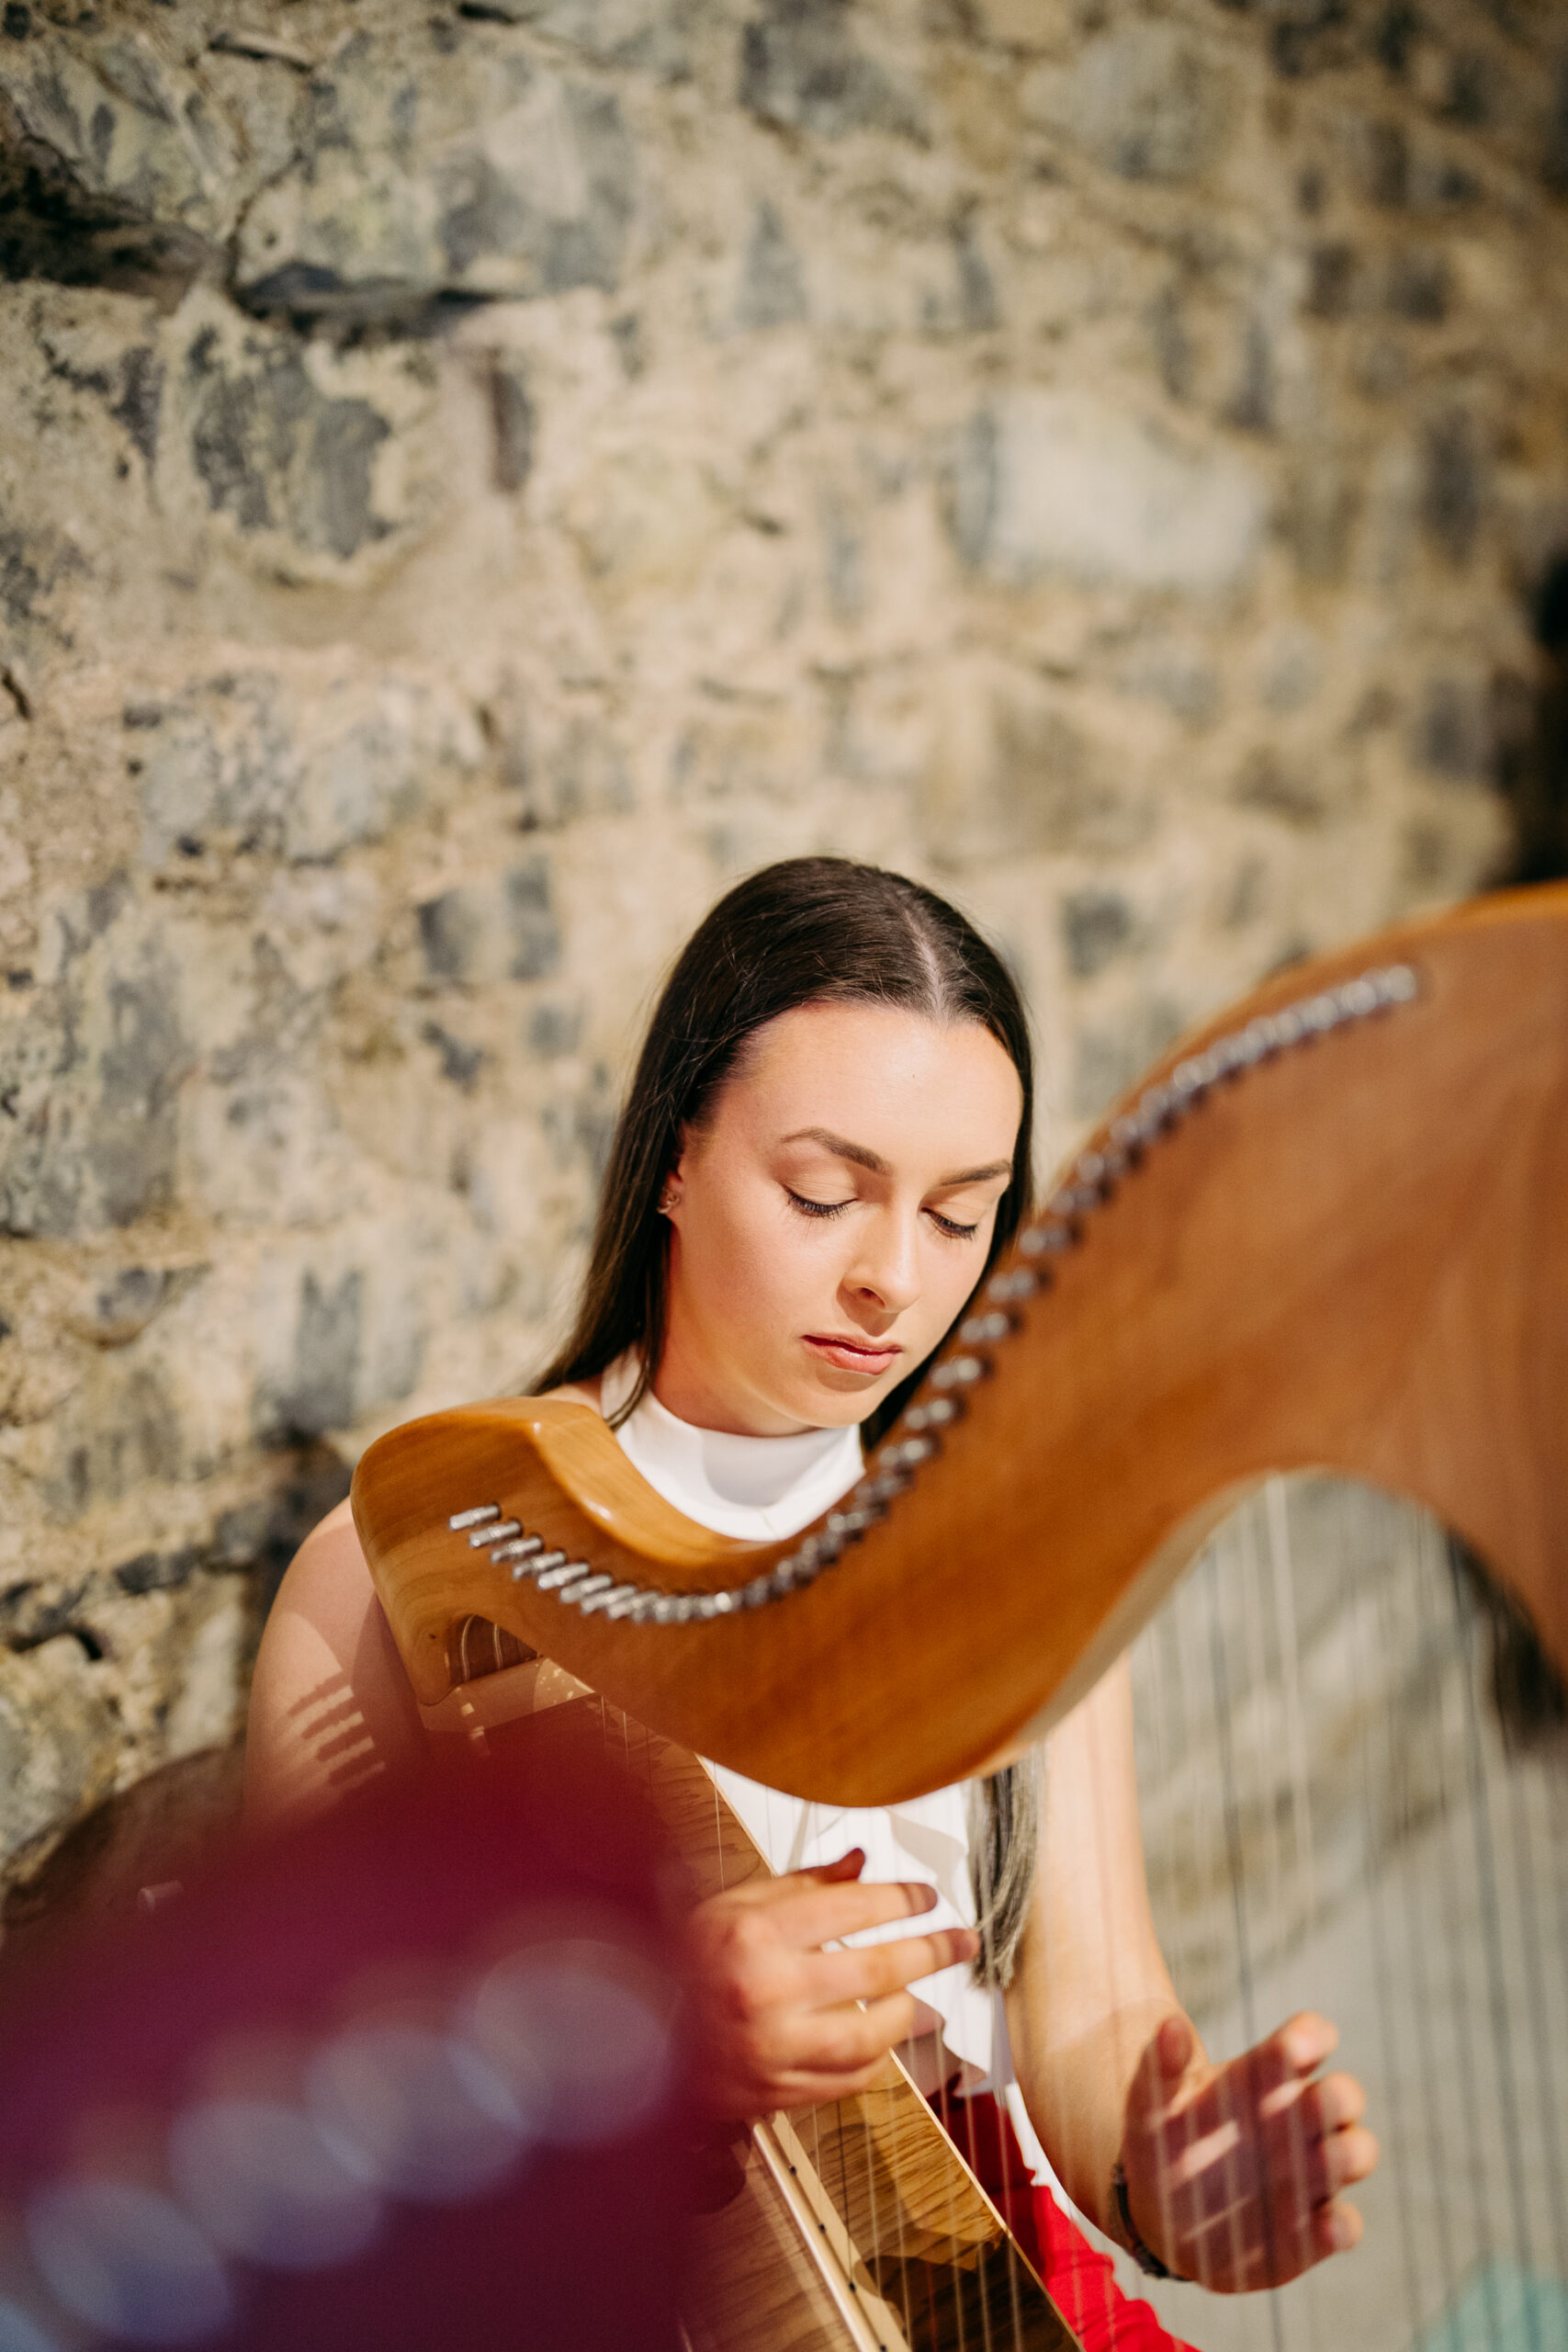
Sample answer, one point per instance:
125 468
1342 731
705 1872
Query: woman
825 1148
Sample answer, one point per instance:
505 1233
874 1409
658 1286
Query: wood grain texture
855 2226
1352 1257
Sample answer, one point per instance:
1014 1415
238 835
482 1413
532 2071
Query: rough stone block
499 178
118 130
1145 100
1056 484
258 763
1097 927
650 35
60 1745
803 67
91 1075
1012 775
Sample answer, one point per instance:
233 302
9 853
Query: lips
851 1355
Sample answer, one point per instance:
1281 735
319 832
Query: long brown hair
807 931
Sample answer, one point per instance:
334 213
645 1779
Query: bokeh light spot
127 2260
396 2105
261 2181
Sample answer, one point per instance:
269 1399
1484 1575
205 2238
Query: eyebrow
842 1149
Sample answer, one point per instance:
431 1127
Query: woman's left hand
1233 2172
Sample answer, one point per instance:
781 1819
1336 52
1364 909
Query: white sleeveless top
762 1488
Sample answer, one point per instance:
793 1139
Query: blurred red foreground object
406 2080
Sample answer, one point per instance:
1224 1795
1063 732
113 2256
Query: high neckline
757 1487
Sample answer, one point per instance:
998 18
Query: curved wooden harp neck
1331 1231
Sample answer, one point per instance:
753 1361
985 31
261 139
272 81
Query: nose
884 1274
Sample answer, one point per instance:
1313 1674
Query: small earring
669 1199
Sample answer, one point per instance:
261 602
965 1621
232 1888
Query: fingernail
1344 2230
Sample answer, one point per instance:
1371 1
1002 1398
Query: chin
840 1399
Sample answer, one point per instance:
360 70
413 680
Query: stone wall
473 481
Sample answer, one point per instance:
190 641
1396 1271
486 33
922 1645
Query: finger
843 2040
848 1865
885 1968
817 1914
1348 2156
1336 2229
1302 2042
1336 2101
1168 2053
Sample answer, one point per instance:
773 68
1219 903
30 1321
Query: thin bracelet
1144 2255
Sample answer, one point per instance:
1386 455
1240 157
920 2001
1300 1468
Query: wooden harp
1328 1233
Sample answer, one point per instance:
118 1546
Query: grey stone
1455 737
654 36
531 923
157 1571
1057 484
511 422
1272 783
131 390
1097 927
60 1747
323 1391
1453 484
89 1079
582 772
41 1173
450 930
460 1063
1322 503
32 1613
117 170
251 765
1331 279
1554 145
500 179
114 1436
132 1143
772 291
1037 788
1109 1060
1418 285
1251 406
1148 103
1386 164
273 451
38 566
553 1031
802 67
977 307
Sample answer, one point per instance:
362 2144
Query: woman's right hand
785 2023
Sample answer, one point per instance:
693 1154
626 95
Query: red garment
1081 2281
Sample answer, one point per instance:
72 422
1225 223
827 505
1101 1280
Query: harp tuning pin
910 1455
1038 1239
934 1415
607 1599
480 1515
958 1372
482 1537
1018 1282
984 1331
583 1587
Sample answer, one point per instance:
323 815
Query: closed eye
818 1208
955 1232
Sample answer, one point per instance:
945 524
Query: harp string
1337 1820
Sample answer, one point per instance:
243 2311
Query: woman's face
833 1215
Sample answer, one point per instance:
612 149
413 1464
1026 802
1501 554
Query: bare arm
1233 2172
1091 1987
331 1706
